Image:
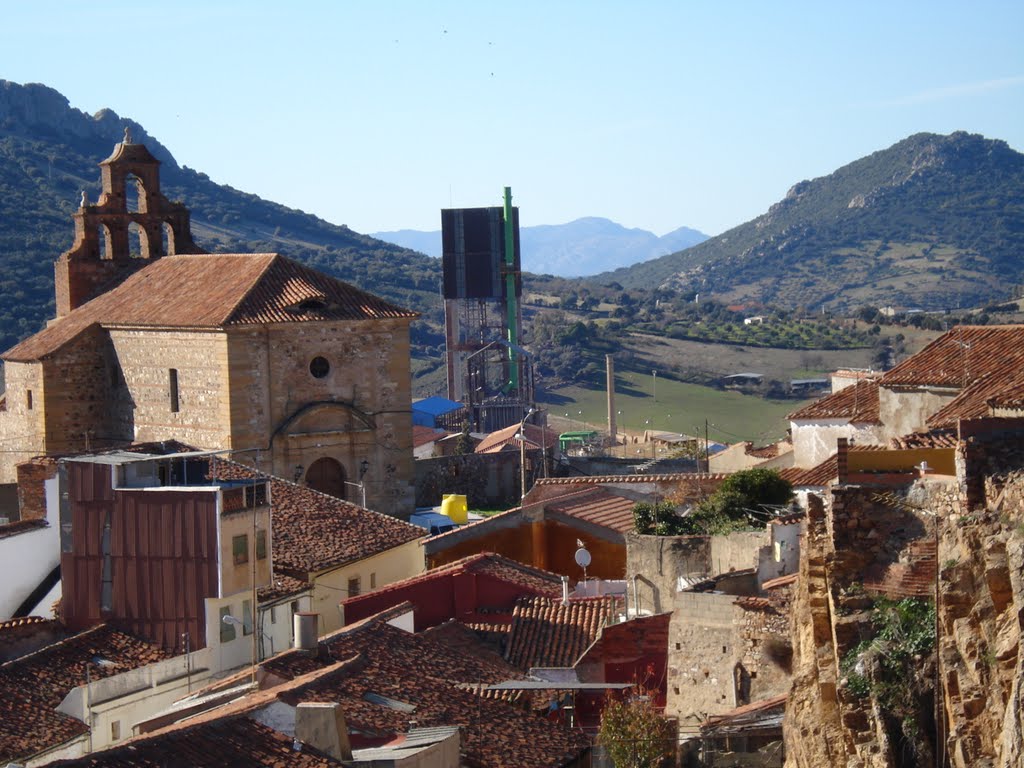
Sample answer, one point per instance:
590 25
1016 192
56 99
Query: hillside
931 222
49 152
579 248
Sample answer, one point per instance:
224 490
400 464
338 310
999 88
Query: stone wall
703 653
21 428
668 564
813 442
487 480
903 411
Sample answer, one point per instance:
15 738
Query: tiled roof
397 671
936 438
227 741
422 435
536 437
818 476
213 291
314 532
489 563
597 506
973 401
19 636
634 479
768 451
32 686
961 356
21 526
858 403
284 586
739 713
547 633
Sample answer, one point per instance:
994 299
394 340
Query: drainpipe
565 590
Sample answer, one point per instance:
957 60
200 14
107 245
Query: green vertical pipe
510 291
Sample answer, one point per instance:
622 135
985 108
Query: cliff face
871 555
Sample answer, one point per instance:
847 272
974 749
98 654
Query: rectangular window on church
174 390
28 398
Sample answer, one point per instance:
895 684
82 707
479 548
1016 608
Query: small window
353 587
174 390
261 545
319 367
273 614
240 549
28 399
115 730
373 580
247 617
227 630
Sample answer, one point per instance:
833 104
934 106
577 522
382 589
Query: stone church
288 369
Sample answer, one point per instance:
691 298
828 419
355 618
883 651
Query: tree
463 444
634 734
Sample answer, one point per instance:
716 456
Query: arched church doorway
327 476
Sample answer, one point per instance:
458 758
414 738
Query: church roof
213 291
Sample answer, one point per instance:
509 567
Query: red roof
536 438
422 435
597 506
936 438
961 356
313 532
212 291
34 685
220 743
548 633
975 401
818 476
398 677
858 403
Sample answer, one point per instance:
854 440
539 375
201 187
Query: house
244 352
954 377
30 560
424 441
744 455
478 588
381 677
101 676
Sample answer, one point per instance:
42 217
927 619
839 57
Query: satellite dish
582 557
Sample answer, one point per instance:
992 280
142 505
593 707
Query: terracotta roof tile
422 435
547 633
780 581
597 506
312 531
936 438
399 670
634 479
823 474
226 741
536 438
284 586
857 403
975 401
212 291
961 356
21 526
32 686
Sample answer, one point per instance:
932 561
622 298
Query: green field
679 407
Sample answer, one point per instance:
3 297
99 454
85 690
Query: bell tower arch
130 195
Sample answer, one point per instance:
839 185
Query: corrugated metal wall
163 558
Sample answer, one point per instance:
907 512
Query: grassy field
679 408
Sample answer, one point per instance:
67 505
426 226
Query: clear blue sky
653 114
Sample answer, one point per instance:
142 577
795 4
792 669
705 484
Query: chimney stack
322 726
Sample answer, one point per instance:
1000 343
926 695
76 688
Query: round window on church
319 367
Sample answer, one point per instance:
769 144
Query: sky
653 114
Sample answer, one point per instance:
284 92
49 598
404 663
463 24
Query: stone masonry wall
142 387
703 653
21 428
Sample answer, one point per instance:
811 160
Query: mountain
931 222
580 248
49 152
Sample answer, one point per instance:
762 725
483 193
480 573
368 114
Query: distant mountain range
580 248
931 222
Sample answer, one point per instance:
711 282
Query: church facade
282 367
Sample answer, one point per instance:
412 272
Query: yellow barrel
453 506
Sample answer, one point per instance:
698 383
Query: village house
251 353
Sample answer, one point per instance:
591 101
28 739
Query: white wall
785 544
27 558
815 441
